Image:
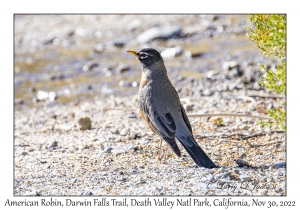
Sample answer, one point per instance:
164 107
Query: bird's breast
144 81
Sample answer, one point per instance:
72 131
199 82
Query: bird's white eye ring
143 55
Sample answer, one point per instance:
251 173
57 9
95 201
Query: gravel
91 162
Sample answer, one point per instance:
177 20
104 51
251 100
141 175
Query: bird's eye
143 55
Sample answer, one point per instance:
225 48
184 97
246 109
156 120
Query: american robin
161 109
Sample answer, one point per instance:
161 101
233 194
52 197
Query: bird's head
147 56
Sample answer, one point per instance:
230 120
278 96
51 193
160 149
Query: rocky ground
97 144
117 155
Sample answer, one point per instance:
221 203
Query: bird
160 107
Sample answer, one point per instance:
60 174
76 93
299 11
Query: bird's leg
159 158
165 155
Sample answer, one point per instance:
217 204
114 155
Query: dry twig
238 135
229 115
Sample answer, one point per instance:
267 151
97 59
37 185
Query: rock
54 144
115 131
119 44
65 126
18 101
223 175
30 149
134 25
90 66
42 95
106 150
201 185
57 77
159 33
73 180
229 65
131 115
122 69
32 89
189 107
49 41
217 121
242 163
244 127
118 150
280 165
194 53
33 192
207 92
236 85
24 153
98 48
171 52
52 96
245 177
133 135
85 123
129 146
88 193
123 132
233 68
212 73
117 139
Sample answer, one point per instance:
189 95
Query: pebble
280 165
18 101
134 25
223 175
119 44
133 135
98 48
42 95
90 66
245 177
123 132
244 127
65 126
85 123
194 53
159 33
87 193
241 163
115 131
122 69
73 180
24 153
54 144
106 150
188 107
129 146
171 52
32 193
229 65
132 115
207 92
118 150
201 185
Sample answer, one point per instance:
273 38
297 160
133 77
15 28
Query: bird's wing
186 119
161 122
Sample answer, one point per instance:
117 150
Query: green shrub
269 34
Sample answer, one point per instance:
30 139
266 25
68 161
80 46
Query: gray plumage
160 104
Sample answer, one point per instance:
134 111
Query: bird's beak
133 53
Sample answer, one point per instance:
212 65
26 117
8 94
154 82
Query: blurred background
61 59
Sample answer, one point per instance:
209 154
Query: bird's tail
195 151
